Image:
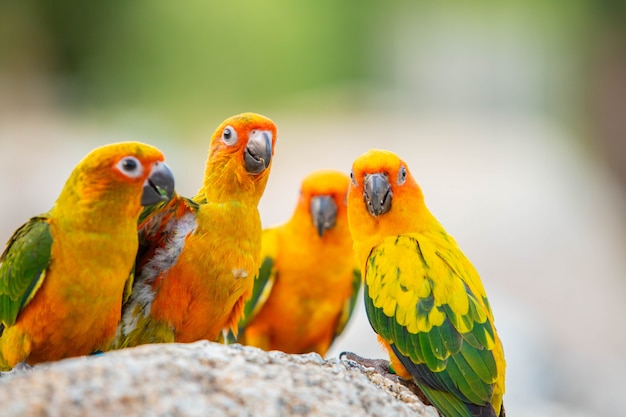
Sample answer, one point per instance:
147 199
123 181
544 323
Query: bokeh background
511 115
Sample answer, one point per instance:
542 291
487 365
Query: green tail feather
450 406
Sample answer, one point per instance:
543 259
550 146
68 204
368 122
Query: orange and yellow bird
64 273
423 297
307 286
198 256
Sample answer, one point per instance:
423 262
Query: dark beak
159 186
377 194
258 153
323 213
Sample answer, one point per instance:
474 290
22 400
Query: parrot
198 256
64 273
307 285
423 297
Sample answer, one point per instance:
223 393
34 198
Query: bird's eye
130 166
353 179
402 175
229 136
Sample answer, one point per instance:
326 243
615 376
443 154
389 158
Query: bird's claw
382 366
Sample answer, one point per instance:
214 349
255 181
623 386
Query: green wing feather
128 287
348 307
263 283
23 267
439 329
146 331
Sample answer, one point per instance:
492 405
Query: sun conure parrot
307 285
198 256
423 297
64 273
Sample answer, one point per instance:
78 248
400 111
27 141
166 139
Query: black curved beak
159 186
258 153
377 194
323 213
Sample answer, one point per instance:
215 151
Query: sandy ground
541 220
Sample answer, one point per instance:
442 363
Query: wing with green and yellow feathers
23 267
424 302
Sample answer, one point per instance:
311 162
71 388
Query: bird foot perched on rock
382 366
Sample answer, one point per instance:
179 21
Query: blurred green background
511 115
183 63
188 60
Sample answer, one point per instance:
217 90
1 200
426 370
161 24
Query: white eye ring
401 175
229 136
352 179
130 166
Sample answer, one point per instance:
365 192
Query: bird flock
122 260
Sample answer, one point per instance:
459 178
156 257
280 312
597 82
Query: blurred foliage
188 59
180 55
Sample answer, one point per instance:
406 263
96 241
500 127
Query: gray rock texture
204 379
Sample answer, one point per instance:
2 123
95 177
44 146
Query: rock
204 379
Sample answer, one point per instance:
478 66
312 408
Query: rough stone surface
204 379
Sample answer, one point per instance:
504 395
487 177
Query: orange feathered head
383 197
323 196
240 154
249 136
112 171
